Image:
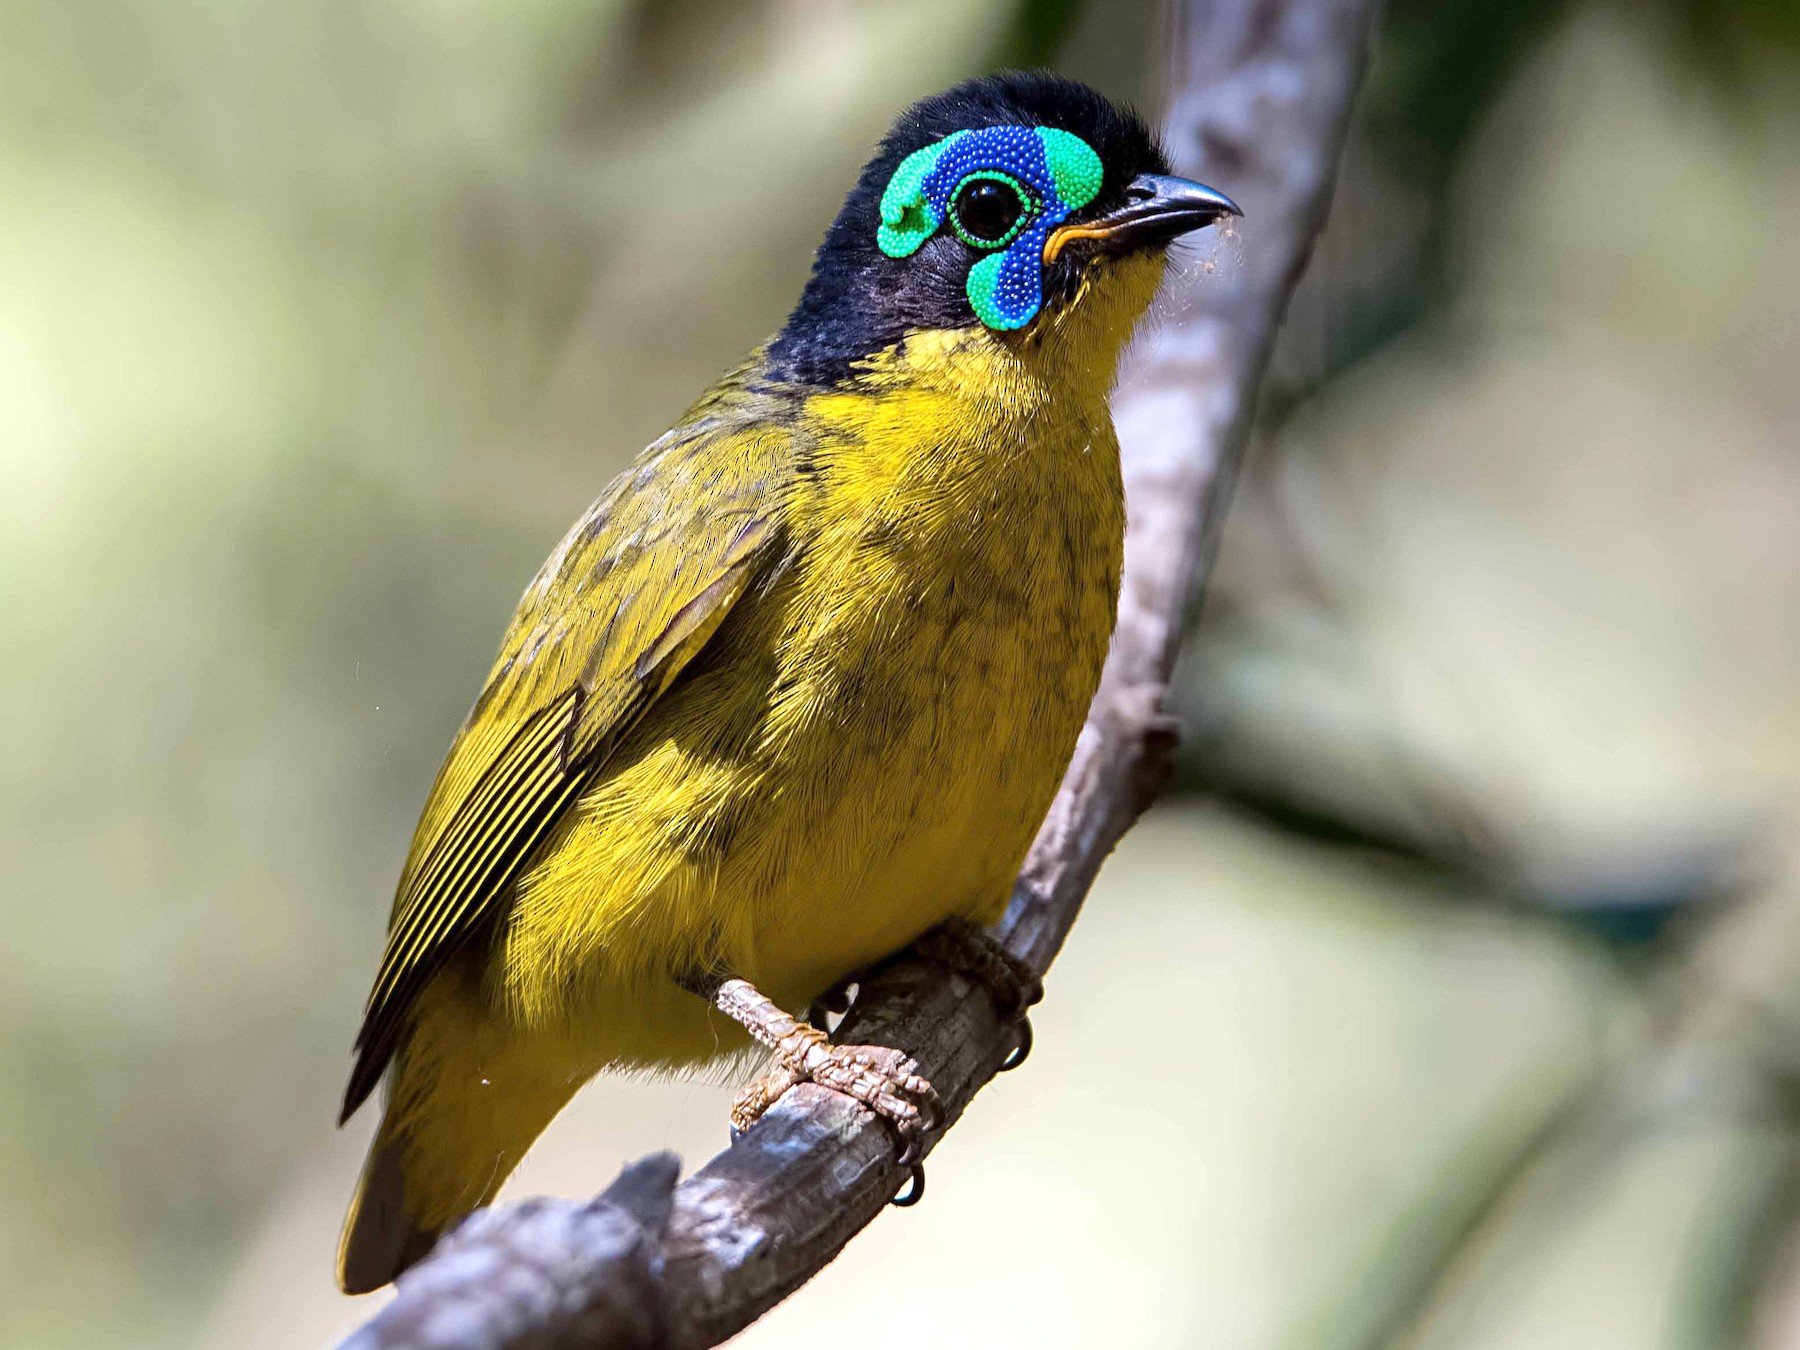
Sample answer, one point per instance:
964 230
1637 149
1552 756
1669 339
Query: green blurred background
1454 1000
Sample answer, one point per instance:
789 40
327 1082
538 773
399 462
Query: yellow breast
947 636
868 746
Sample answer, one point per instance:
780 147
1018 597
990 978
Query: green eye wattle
988 210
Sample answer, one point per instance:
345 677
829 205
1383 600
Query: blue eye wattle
1001 190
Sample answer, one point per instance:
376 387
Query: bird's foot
972 951
762 1093
1014 986
884 1080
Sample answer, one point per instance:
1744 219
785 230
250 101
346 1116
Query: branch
1262 91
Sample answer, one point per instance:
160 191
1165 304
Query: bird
797 690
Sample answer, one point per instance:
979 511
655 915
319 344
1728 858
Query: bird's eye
989 210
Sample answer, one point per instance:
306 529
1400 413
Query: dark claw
1031 995
977 955
931 1115
908 1144
913 1193
834 1002
1020 1052
909 1153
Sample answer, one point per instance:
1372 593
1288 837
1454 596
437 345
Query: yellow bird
799 687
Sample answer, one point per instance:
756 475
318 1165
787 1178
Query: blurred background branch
1260 94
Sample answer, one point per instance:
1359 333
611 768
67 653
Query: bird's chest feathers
956 593
967 520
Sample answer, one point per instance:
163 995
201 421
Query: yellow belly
862 752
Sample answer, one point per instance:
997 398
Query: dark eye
987 212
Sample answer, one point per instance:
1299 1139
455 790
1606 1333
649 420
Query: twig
1261 93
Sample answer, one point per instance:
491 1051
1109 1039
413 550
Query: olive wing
627 599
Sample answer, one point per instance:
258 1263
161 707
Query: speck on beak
1157 209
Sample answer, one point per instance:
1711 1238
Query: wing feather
629 597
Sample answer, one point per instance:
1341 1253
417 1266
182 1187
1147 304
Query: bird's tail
383 1232
464 1106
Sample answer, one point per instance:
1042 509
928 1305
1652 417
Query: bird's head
1020 208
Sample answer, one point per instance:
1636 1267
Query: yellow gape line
1068 234
797 690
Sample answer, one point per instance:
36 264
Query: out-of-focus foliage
1511 603
318 323
1439 69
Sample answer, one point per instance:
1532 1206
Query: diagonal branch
1261 91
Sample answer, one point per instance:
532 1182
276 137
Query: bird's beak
1157 209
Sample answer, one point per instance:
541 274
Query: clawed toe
834 1002
882 1079
1021 1050
760 1096
885 1081
915 1189
971 951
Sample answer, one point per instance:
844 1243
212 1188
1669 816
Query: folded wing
630 596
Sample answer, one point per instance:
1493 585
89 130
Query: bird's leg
1013 985
883 1079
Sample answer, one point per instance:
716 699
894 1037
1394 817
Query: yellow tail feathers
466 1100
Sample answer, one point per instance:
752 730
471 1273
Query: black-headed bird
799 688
